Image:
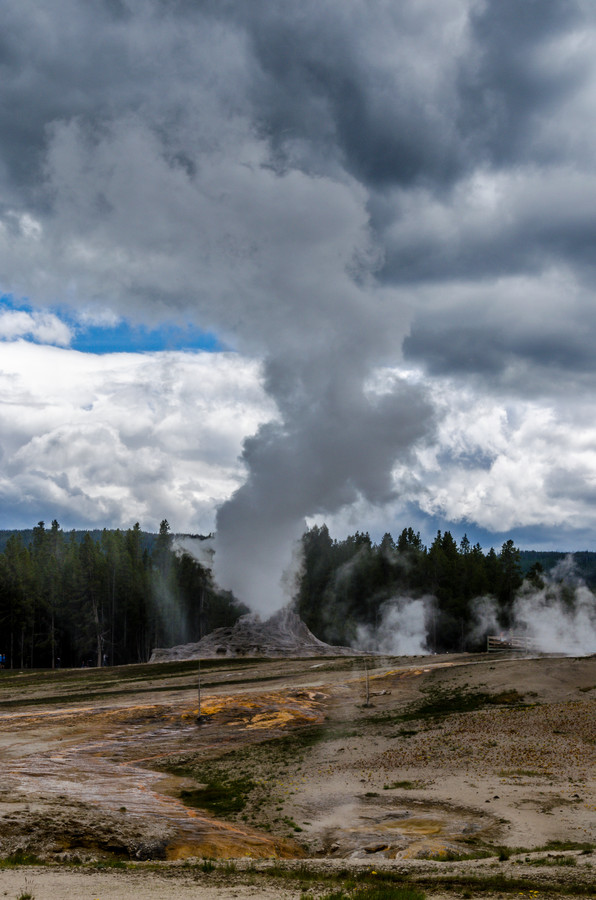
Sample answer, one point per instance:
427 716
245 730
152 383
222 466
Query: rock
284 634
375 848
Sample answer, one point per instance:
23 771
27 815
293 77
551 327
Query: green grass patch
552 861
376 893
302 739
403 785
584 846
227 785
439 702
220 795
446 701
346 885
516 886
387 892
20 858
520 773
228 868
109 864
108 692
130 673
507 698
83 684
505 853
207 866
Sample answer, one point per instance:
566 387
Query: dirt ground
463 775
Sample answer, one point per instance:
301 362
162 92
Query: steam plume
561 616
334 444
402 630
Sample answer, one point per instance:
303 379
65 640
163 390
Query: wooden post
367 702
201 719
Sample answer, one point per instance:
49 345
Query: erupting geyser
336 443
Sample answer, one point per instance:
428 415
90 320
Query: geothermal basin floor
487 757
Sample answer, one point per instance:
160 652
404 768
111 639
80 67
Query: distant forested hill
584 560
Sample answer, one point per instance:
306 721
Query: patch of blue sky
127 338
7 301
123 336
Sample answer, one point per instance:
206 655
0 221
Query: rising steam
557 617
333 443
402 630
561 616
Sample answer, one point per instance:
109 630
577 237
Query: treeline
72 601
346 583
111 597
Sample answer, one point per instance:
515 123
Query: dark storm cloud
394 93
394 97
413 92
502 96
544 219
96 62
513 78
348 85
50 70
446 346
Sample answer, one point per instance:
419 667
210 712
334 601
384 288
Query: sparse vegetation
110 863
440 701
207 866
220 795
20 858
520 773
553 861
584 846
445 701
403 785
376 893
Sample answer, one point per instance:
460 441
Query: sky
264 264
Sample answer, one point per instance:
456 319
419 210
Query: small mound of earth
284 634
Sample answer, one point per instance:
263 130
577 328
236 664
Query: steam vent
284 634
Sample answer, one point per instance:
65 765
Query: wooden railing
508 642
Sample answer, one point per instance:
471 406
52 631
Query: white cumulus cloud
44 327
109 440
